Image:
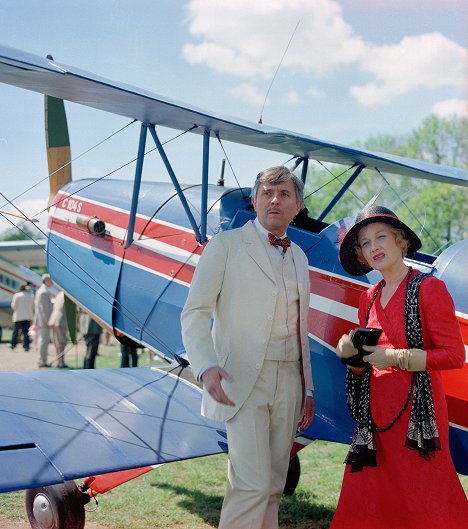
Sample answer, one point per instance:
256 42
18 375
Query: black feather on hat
348 256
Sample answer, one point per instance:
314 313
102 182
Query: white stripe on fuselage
117 258
334 308
118 233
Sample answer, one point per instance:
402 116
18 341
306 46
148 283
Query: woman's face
379 247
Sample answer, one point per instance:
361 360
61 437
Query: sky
349 69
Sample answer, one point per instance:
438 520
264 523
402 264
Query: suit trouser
260 437
59 337
43 343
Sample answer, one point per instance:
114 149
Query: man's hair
277 175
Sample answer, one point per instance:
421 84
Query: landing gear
56 507
292 479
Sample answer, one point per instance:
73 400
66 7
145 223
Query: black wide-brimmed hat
348 256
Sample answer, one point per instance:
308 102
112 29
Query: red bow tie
285 243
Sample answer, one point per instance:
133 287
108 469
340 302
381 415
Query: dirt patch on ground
14 524
18 359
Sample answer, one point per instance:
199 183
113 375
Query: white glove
407 359
345 347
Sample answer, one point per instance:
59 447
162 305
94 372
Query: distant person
127 353
91 331
22 305
43 309
58 325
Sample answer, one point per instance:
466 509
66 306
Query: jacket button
258 366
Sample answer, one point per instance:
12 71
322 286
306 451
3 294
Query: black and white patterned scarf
422 432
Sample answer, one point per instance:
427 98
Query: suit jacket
234 281
42 306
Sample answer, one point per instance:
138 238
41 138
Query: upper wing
58 426
65 82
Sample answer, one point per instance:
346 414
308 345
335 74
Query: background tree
23 232
436 211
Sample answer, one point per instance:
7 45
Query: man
58 324
42 311
254 361
22 305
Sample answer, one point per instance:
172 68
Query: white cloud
292 97
429 60
220 58
249 93
247 39
315 93
33 209
451 107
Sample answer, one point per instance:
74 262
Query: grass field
188 494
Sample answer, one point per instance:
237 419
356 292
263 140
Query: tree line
437 212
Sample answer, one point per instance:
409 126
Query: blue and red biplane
126 251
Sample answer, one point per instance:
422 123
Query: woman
399 472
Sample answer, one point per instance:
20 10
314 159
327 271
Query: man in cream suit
254 360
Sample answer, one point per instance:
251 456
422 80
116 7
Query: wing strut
136 184
204 195
341 192
305 167
176 183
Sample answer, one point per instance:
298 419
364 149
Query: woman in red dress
399 473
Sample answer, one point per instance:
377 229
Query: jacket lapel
256 249
299 275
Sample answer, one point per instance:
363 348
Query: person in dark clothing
91 333
128 352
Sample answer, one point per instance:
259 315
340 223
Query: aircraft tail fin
58 145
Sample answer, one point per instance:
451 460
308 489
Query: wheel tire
292 479
55 507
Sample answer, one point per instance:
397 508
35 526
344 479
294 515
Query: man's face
47 282
276 206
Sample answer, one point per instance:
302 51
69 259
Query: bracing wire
260 120
73 160
111 299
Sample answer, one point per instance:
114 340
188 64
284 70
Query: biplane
126 252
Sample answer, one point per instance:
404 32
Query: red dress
404 491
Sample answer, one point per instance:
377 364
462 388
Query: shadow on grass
296 512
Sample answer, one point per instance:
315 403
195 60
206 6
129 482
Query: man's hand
211 379
309 412
345 348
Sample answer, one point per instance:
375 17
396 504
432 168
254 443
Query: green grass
188 495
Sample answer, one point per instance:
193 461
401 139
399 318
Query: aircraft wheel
56 507
292 479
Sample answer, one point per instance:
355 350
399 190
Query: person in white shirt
22 305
